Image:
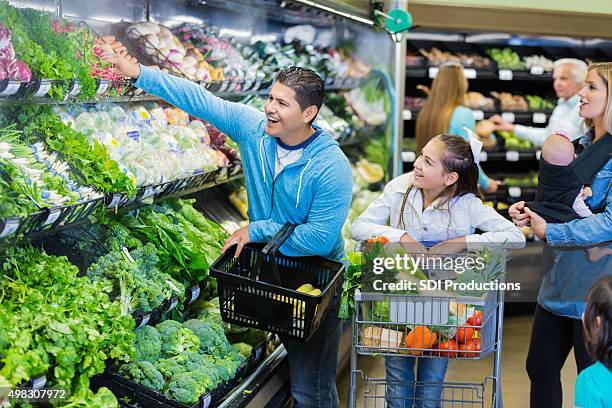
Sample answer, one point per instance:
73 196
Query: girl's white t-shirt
438 222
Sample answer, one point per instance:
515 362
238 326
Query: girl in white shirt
438 205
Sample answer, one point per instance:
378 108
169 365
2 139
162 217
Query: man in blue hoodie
295 173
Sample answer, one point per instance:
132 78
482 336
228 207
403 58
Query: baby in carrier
561 191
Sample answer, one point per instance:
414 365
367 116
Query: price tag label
257 84
53 216
76 89
508 116
408 157
173 304
39 382
538 154
115 201
478 114
514 192
407 114
433 72
512 155
149 191
145 319
536 70
43 89
102 87
10 226
257 353
483 156
247 85
539 117
206 400
505 75
195 293
11 88
470 73
224 86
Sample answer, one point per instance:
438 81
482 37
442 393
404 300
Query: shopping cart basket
258 289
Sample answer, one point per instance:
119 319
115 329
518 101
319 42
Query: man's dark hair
308 86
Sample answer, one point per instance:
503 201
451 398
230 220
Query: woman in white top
437 204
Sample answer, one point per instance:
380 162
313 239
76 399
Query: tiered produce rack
47 227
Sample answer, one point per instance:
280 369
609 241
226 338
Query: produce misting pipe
399 73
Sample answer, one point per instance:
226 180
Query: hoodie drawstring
263 169
297 201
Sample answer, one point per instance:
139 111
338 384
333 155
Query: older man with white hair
568 78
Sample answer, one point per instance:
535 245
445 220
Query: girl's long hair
458 157
598 340
604 70
447 92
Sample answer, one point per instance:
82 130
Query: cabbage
24 72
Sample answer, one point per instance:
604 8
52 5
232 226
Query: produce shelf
489 74
497 156
529 117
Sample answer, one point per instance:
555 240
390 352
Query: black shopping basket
258 289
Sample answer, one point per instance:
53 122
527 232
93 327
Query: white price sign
514 192
53 216
539 117
11 88
39 382
483 156
505 74
508 116
407 114
470 73
512 155
43 89
145 320
536 70
195 293
538 154
115 200
478 114
408 157
433 72
148 193
206 400
76 89
102 87
173 304
10 226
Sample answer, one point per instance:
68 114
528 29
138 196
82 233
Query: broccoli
206 378
184 389
205 363
144 373
171 367
167 328
243 348
226 367
212 338
147 344
181 341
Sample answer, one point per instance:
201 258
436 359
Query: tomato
475 320
469 348
464 334
450 345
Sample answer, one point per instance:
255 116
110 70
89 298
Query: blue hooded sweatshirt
314 193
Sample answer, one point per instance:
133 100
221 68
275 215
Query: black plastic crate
258 277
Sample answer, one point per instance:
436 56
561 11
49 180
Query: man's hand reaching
123 64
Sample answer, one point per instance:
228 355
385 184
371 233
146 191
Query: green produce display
526 181
51 323
538 103
506 58
513 142
183 360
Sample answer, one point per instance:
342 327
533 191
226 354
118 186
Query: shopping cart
258 289
427 326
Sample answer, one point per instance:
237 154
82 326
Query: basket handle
270 249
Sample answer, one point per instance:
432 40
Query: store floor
515 383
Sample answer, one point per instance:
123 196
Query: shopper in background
444 112
436 205
594 384
295 173
568 272
568 77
